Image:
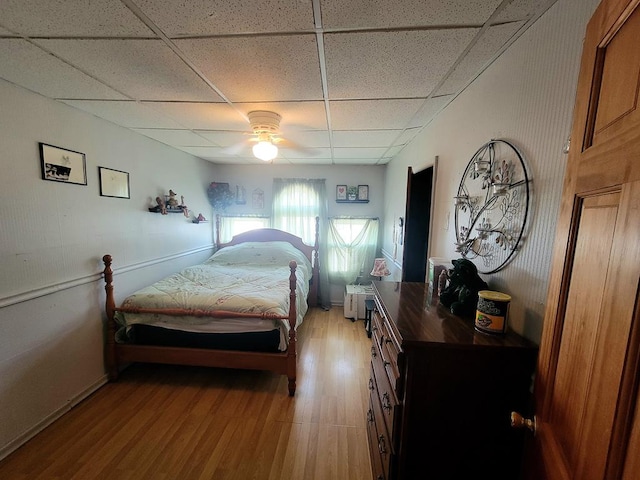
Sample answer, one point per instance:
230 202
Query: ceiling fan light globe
265 151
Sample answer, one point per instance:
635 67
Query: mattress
251 277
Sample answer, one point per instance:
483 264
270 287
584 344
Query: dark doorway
417 223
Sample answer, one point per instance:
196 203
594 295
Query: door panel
619 81
586 391
582 319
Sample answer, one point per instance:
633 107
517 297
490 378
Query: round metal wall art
491 206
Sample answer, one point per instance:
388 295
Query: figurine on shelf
185 210
172 203
199 218
161 205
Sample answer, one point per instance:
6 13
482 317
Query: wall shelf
352 201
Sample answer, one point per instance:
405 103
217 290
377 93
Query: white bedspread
250 277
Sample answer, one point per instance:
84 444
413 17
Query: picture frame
257 198
114 183
62 165
341 192
363 192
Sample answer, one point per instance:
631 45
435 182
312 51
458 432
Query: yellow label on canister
492 311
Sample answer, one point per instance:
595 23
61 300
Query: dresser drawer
387 409
378 470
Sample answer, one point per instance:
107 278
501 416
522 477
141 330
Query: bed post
110 308
217 231
315 277
291 349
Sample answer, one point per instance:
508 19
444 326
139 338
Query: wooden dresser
441 393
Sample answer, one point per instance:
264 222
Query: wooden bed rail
280 362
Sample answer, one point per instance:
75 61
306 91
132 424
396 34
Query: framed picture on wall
341 192
114 183
363 192
62 165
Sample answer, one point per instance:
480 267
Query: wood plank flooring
171 422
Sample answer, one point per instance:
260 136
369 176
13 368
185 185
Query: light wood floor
170 422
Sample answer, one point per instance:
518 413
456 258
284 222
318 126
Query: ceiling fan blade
236 148
291 145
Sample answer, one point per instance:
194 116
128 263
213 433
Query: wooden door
586 391
417 225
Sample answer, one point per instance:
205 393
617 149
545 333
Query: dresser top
420 321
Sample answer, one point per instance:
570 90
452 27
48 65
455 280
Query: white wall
52 238
526 96
252 177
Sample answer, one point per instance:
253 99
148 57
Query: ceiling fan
266 137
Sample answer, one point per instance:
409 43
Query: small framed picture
114 183
363 192
341 192
62 165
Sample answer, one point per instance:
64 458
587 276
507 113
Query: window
296 204
352 245
233 225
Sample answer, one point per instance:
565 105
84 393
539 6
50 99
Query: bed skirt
267 341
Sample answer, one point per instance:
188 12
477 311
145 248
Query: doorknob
518 421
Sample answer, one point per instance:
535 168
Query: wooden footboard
117 354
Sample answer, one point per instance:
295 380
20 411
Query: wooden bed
282 362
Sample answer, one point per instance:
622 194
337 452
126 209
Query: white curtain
296 204
352 245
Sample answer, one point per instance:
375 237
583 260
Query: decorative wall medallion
491 206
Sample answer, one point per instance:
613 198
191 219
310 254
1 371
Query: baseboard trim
49 419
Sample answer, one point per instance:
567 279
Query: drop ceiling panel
407 136
373 114
4 31
356 161
25 64
359 152
175 138
480 54
71 18
259 69
141 69
399 13
523 10
429 110
393 151
128 114
391 64
202 116
204 17
364 138
304 161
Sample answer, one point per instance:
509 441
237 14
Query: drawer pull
382 445
371 387
386 363
370 416
373 352
386 401
388 340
